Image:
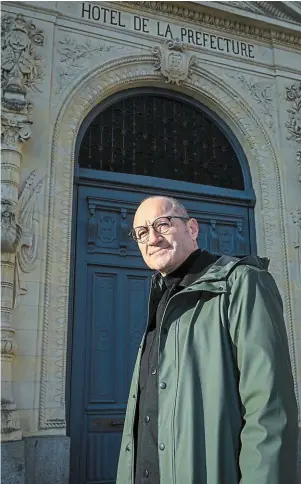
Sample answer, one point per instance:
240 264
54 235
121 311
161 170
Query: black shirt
146 422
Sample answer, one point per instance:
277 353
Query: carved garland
93 89
225 24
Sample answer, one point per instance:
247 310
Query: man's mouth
156 251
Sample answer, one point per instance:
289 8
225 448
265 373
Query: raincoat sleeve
268 452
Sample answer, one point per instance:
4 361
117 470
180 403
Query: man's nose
153 236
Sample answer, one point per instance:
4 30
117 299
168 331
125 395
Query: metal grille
160 137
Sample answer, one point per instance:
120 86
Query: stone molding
224 24
114 76
278 11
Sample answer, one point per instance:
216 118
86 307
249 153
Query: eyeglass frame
168 217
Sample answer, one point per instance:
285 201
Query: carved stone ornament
293 94
21 68
23 232
174 62
73 55
262 96
15 127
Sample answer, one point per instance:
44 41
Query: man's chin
160 264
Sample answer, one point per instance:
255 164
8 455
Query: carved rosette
173 61
21 71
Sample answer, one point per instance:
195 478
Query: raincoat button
154 371
146 418
128 448
162 385
221 288
145 473
161 446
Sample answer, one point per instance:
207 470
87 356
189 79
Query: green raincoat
228 413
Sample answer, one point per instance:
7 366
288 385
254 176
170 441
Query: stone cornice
287 34
285 11
245 23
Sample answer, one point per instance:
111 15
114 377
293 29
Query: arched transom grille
161 137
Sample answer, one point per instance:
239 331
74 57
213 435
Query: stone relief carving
21 71
293 94
173 61
73 55
20 232
15 127
27 246
129 72
21 66
261 93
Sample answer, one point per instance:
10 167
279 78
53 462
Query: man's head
166 251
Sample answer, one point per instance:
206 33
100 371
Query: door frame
149 184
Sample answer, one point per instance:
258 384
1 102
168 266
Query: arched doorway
138 143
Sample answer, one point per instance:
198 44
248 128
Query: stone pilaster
20 69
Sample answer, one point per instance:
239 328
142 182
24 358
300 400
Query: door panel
110 308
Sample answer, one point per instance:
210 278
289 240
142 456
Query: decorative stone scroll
174 62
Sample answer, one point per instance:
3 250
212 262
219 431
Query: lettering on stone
160 28
173 61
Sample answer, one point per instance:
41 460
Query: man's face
165 252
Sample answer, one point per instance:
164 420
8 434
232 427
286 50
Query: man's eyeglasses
161 225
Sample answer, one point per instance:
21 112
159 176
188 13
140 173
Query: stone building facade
63 64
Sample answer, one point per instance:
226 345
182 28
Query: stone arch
138 71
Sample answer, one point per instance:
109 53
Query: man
212 397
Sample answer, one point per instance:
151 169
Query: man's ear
194 228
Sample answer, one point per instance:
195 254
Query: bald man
212 396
